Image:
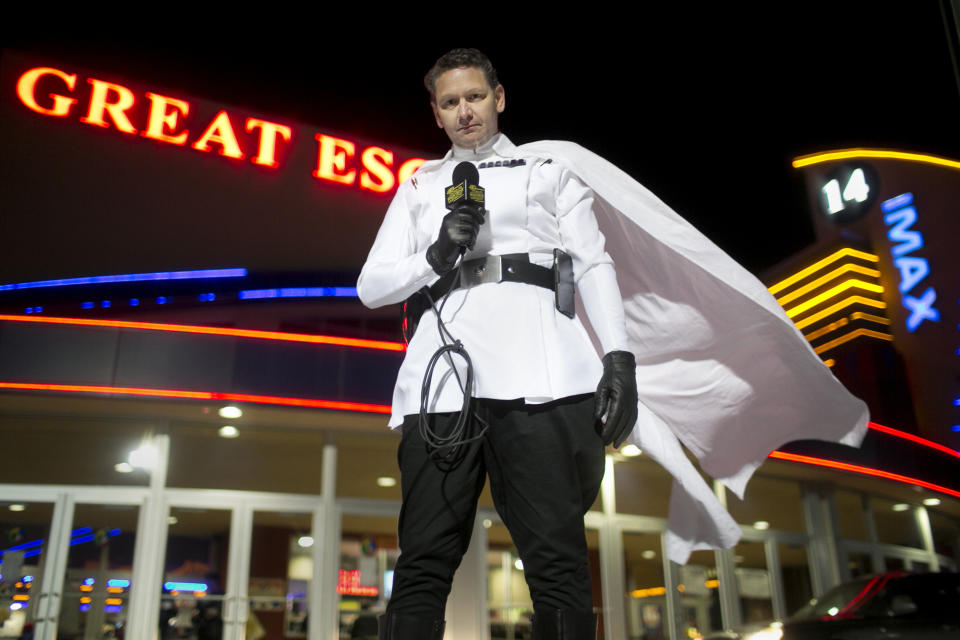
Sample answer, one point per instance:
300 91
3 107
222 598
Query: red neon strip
867 471
218 331
909 436
203 395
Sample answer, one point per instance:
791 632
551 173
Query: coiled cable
448 451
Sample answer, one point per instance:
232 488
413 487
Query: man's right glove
617 396
458 232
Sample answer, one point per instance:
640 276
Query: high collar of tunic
488 148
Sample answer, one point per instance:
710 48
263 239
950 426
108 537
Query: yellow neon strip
819 282
114 601
85 600
860 315
832 293
711 584
114 589
850 336
646 593
21 598
833 326
820 264
846 302
829 362
845 154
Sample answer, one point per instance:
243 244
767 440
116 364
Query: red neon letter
377 163
332 158
220 132
163 118
117 110
407 168
267 149
27 84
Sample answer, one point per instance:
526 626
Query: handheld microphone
466 193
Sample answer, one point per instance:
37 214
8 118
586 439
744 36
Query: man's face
465 106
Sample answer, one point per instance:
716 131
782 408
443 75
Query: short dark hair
457 59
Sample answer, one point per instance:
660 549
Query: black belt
513 267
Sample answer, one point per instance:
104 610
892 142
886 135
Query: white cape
720 367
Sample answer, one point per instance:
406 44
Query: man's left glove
617 396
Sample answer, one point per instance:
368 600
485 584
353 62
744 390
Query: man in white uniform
535 419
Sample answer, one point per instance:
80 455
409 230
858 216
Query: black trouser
545 463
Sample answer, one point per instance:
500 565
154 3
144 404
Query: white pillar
149 550
467 605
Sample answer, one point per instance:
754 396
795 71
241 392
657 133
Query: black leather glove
458 232
617 396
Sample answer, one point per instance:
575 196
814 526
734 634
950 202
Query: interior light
123 467
649 554
518 564
931 502
230 411
901 506
144 457
172 520
305 541
631 450
761 525
17 507
16 606
386 481
487 523
228 431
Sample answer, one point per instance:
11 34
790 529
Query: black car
890 605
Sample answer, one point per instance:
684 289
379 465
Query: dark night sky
706 106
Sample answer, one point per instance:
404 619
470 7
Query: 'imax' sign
900 216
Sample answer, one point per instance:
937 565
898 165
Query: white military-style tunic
520 345
721 369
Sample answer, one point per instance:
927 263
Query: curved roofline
846 154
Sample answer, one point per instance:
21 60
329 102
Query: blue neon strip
897 202
114 532
82 539
85 607
86 305
299 292
26 579
129 277
30 554
118 582
88 581
113 608
955 427
184 586
26 545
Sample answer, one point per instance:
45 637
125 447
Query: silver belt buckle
481 270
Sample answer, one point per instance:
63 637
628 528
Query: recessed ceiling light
172 520
487 523
305 541
228 431
631 450
931 502
386 481
900 506
230 411
649 554
518 563
761 525
17 507
123 467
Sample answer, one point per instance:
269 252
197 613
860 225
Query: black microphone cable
448 451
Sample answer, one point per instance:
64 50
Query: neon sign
900 215
109 106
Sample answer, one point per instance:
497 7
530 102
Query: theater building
193 402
